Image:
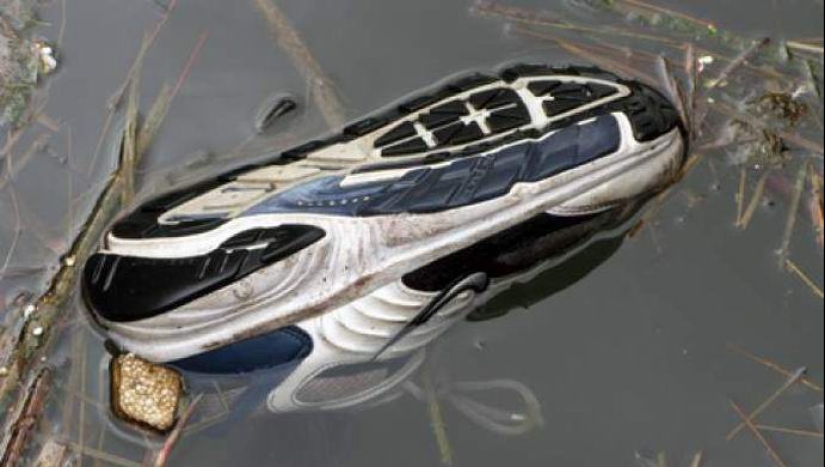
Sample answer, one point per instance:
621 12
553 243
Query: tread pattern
462 182
126 288
649 111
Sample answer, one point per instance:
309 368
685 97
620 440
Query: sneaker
377 239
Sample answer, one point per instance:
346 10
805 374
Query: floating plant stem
290 41
740 60
792 267
816 207
134 69
673 89
20 429
749 424
789 137
174 436
740 195
758 194
796 199
749 419
655 8
105 456
437 419
804 47
579 50
790 431
774 366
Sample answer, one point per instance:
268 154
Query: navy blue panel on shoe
598 139
554 154
277 348
461 182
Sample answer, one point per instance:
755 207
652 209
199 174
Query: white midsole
379 317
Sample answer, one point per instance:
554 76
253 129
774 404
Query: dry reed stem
579 50
12 169
20 430
437 419
747 422
104 456
697 459
758 194
669 12
790 431
117 97
737 62
790 382
774 367
755 123
816 207
796 200
740 195
175 435
792 267
801 46
290 41
18 229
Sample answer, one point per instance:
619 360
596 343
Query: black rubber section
286 345
410 146
125 288
404 130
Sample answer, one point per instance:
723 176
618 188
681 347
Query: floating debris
749 419
746 421
145 394
274 109
783 106
20 425
48 62
774 366
792 267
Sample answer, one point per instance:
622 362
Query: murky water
626 350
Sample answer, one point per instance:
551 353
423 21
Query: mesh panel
347 381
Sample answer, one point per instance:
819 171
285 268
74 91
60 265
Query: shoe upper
328 222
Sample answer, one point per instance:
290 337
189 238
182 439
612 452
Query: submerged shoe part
335 222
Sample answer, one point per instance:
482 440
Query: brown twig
740 59
792 138
796 199
792 267
579 50
290 41
758 193
174 436
815 206
18 228
747 423
740 195
159 109
774 366
22 426
790 431
117 97
669 12
794 378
